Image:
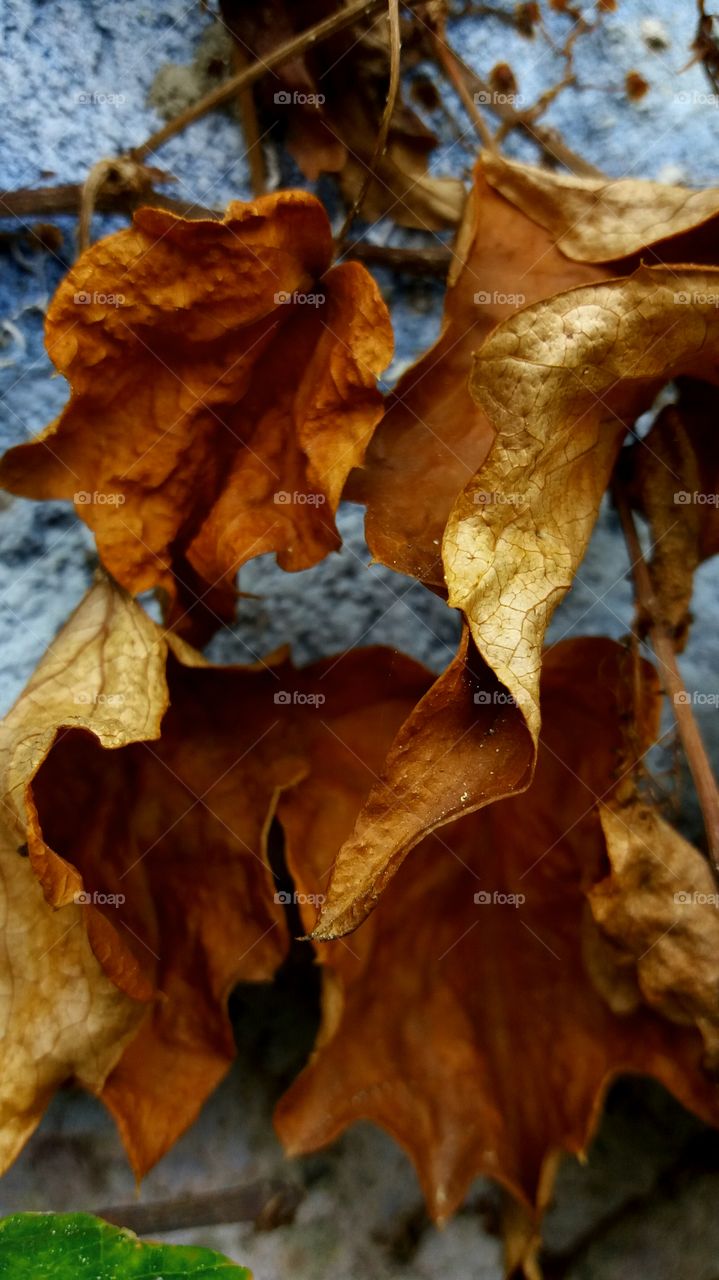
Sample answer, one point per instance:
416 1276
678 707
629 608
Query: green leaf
76 1246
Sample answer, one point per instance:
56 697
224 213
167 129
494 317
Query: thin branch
670 676
705 47
250 127
395 43
26 203
248 75
551 142
453 69
432 261
66 197
268 1203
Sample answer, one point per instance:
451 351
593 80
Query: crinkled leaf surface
159 822
76 1246
434 435
518 529
603 219
221 393
460 1016
522 225
561 381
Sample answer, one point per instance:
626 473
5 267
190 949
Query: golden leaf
561 381
603 219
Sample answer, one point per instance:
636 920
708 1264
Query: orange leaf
223 386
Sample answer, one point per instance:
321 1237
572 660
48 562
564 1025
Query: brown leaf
214 416
155 804
331 102
561 381
665 468
463 746
402 188
673 478
659 910
470 1029
521 225
603 219
434 436
698 405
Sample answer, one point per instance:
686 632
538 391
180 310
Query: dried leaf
659 910
463 746
601 219
61 1017
521 225
150 780
401 189
434 436
561 381
460 1017
332 129
673 478
218 405
666 468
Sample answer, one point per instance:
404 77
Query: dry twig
671 679
344 17
268 1203
383 133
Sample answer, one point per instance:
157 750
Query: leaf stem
671 678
